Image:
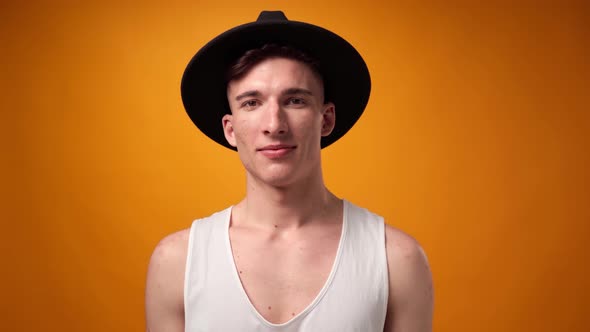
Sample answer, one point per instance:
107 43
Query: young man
290 256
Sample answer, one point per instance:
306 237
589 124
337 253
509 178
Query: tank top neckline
323 290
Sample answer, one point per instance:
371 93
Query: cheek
243 132
307 127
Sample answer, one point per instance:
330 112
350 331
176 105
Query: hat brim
346 76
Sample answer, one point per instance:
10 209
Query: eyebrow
290 91
296 91
251 93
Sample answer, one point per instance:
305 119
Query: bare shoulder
407 261
410 283
172 248
164 294
169 259
403 248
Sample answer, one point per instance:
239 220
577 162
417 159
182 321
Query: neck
286 206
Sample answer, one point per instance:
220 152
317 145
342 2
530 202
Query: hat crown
271 15
204 87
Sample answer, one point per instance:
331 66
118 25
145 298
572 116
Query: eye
249 104
296 101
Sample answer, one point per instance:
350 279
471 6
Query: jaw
287 174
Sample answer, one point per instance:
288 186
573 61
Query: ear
228 129
328 119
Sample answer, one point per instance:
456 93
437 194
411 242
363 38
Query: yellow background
475 141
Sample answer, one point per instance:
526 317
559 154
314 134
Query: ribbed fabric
354 298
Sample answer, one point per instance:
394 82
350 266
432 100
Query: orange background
475 141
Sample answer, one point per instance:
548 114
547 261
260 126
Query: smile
276 151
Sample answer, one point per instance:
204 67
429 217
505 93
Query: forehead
278 72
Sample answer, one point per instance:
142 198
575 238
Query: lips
275 151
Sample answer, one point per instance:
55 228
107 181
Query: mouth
276 151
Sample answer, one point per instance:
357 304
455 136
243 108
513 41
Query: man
290 256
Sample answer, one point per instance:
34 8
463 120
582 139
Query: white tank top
353 298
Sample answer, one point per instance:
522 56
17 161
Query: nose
275 121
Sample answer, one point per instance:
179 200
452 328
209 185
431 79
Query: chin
276 176
277 180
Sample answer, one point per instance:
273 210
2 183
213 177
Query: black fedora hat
346 77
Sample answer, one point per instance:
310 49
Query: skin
288 219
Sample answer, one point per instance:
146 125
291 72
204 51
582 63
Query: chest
283 274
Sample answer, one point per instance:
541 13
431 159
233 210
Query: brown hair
251 58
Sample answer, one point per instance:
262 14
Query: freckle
269 307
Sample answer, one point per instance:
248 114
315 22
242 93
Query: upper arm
410 305
164 293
